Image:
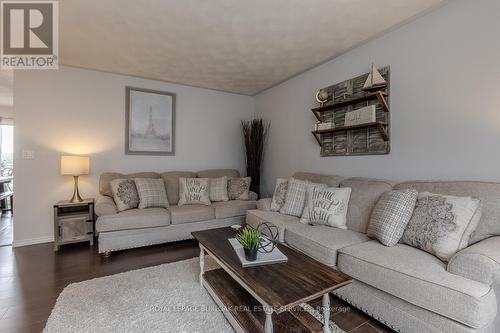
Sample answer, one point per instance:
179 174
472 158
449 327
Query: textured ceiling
231 45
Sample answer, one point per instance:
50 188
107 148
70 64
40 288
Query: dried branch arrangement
255 135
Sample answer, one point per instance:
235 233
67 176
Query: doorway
6 157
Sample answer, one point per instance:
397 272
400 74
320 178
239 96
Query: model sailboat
375 81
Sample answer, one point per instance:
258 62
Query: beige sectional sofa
406 288
141 227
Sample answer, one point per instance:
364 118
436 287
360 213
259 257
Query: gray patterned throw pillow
441 223
279 194
239 188
218 189
295 197
194 191
391 215
151 192
124 194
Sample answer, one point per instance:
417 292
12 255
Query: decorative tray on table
274 256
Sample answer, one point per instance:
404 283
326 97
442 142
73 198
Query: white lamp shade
75 165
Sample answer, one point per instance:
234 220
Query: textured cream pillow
391 215
239 188
279 194
194 191
440 224
328 206
218 189
310 187
295 197
124 193
151 192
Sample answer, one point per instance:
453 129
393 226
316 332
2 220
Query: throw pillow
279 194
194 191
328 206
295 197
218 189
151 192
391 215
310 188
124 194
439 223
239 188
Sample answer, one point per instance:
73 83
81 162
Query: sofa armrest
105 205
252 196
264 204
479 262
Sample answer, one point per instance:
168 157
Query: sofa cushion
151 192
215 173
321 242
264 204
479 262
420 279
194 191
295 197
124 194
171 180
439 224
327 206
191 213
364 196
218 189
107 177
279 194
281 221
304 218
105 205
133 219
239 188
391 215
329 180
233 208
488 193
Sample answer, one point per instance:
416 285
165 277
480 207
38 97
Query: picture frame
149 122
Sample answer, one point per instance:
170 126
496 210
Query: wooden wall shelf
382 127
380 95
371 138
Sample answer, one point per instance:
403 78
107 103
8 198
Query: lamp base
76 193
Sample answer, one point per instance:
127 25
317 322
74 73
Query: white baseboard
32 241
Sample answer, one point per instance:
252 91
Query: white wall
76 111
445 103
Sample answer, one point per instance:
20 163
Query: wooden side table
73 222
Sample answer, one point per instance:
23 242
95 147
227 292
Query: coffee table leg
268 325
326 313
202 265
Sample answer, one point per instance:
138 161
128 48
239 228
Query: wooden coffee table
265 298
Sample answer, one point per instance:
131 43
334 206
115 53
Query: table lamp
75 166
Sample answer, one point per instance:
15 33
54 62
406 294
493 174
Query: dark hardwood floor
32 277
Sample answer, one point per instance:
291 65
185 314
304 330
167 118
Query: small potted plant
249 238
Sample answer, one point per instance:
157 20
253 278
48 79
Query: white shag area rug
165 298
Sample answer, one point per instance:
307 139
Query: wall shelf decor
372 138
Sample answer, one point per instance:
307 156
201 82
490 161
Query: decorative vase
250 255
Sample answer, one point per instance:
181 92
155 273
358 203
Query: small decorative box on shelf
73 222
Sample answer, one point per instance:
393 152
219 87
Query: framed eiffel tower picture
150 122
